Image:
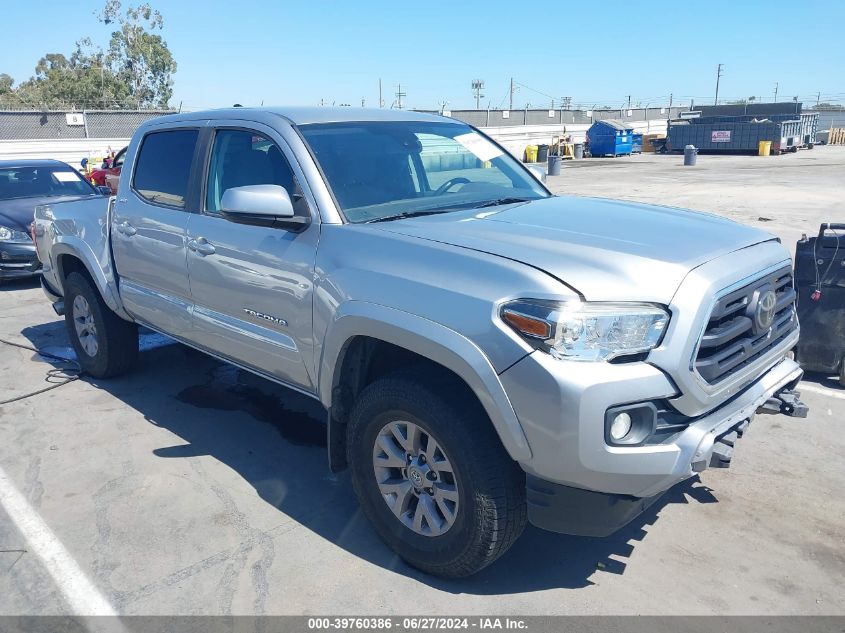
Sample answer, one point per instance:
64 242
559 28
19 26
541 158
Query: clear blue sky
301 52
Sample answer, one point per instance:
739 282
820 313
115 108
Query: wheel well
363 361
68 264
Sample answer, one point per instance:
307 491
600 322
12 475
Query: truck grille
744 324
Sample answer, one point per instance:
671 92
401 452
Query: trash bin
578 153
554 165
542 153
531 154
690 152
764 148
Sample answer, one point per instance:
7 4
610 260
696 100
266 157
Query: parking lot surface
191 487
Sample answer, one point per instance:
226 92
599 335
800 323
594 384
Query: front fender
430 340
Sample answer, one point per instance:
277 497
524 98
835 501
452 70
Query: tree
135 71
138 57
80 81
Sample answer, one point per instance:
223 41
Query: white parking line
825 391
81 595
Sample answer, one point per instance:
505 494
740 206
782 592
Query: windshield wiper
403 215
500 201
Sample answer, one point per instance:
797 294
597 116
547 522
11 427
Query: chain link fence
92 124
512 118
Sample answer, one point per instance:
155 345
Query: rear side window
163 166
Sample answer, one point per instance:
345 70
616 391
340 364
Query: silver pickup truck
487 353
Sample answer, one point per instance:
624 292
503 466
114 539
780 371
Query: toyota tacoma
488 354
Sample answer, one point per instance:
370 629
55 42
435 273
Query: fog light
621 426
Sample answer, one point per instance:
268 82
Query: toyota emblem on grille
764 313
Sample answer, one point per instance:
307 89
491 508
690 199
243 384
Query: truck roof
303 115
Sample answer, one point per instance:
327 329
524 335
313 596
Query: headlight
587 331
12 235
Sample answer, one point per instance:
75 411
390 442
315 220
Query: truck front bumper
575 472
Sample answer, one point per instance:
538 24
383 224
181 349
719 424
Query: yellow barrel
531 154
764 148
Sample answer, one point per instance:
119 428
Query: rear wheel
105 344
432 476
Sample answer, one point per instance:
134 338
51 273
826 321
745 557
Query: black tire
491 487
117 339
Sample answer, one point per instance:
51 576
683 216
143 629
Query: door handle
201 246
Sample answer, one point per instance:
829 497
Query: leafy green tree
83 80
137 55
135 71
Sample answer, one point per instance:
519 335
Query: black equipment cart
820 285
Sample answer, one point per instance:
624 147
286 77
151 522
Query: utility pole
818 98
567 101
510 102
776 92
399 95
718 77
362 102
629 102
380 99
478 86
669 112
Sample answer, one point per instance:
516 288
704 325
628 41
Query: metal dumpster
636 143
610 138
724 136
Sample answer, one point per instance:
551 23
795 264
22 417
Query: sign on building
720 136
75 118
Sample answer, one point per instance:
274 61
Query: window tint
164 165
42 181
240 158
380 169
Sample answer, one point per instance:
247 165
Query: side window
163 166
118 160
240 158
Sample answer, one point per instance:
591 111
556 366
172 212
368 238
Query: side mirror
261 205
538 172
106 191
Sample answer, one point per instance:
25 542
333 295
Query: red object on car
108 175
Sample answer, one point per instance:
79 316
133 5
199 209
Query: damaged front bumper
579 484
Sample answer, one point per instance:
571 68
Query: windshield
377 170
42 181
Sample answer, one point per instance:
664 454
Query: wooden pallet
837 136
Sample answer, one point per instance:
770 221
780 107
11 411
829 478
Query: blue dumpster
610 138
636 143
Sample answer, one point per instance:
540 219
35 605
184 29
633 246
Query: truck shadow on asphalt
274 438
14 285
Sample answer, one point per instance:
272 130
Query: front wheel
105 344
432 476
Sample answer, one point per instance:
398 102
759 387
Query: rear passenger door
149 224
250 285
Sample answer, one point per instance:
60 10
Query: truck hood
604 249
